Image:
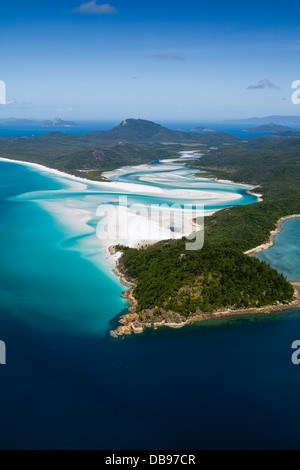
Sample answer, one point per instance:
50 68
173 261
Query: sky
161 60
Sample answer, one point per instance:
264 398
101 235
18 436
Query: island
57 122
274 128
202 129
172 287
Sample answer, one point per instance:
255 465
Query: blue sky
181 61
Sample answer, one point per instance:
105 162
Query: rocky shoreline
137 323
133 323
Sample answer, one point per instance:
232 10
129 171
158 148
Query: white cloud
8 103
94 8
62 110
265 83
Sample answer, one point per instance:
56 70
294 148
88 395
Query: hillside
259 121
141 131
132 142
268 128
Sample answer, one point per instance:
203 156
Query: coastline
55 172
123 187
248 191
131 322
271 240
259 196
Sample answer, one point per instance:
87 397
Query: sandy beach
270 242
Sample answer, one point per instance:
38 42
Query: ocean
69 385
9 130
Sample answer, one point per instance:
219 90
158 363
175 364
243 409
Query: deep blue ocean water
66 385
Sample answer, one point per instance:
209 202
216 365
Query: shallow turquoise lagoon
285 254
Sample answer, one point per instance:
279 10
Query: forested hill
171 279
141 131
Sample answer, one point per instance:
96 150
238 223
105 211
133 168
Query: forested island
174 287
275 129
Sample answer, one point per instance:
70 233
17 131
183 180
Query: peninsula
169 285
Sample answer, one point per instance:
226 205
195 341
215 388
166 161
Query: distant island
260 121
202 129
275 128
18 122
57 122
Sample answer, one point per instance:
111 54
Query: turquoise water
42 283
68 385
285 254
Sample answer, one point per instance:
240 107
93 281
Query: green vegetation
271 164
141 131
75 154
169 278
97 174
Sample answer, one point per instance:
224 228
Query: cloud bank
94 8
262 84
